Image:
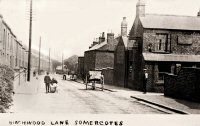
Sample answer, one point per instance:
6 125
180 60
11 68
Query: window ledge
161 52
160 82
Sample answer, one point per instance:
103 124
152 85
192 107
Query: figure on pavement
34 73
47 81
54 86
145 77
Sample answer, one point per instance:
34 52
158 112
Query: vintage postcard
99 62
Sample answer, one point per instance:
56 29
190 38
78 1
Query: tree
55 63
72 63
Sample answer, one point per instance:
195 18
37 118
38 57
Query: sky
70 26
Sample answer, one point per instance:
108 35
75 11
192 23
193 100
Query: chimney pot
110 37
198 14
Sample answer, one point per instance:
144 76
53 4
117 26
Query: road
73 98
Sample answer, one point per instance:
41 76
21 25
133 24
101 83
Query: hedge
6 87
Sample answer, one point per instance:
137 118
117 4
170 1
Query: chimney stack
110 37
140 8
124 27
102 38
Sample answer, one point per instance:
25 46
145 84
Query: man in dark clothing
145 77
47 81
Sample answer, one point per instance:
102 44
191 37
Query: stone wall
186 85
104 59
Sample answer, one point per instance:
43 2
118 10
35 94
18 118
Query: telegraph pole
49 59
39 56
30 35
62 62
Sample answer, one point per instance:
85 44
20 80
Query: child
54 86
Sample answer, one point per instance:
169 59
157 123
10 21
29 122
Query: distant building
164 44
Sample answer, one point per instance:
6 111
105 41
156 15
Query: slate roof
128 43
105 46
171 57
98 46
173 22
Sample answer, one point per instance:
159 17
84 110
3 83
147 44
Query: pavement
157 99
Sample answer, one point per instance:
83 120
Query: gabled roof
125 40
127 43
172 22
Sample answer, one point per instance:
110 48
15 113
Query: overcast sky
70 26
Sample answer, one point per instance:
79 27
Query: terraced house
163 44
14 54
11 50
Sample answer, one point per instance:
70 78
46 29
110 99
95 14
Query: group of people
50 84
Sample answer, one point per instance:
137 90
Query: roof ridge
171 15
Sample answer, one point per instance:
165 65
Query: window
162 69
8 41
162 43
11 43
4 39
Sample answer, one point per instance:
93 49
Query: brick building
123 58
101 55
163 44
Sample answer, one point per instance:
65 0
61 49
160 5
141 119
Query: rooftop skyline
70 26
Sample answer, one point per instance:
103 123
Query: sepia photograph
99 62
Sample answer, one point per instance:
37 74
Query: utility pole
49 59
62 62
39 56
30 35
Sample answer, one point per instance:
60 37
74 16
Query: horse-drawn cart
95 77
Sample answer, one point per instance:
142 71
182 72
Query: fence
185 85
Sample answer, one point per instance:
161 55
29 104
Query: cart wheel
86 82
102 84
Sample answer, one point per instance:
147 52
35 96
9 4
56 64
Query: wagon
94 77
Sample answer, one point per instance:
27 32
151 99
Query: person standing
47 81
34 73
145 77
